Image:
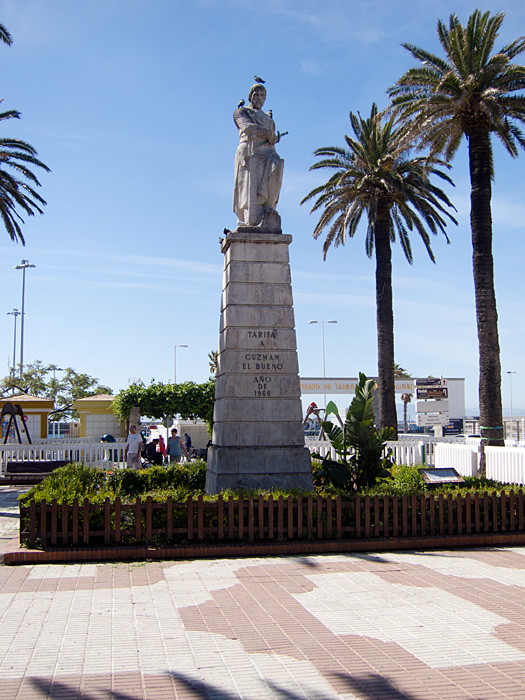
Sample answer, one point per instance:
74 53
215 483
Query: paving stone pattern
396 626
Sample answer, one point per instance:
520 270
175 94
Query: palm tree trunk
385 321
490 409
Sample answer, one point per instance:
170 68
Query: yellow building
36 409
97 418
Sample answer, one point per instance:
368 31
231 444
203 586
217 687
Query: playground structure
14 410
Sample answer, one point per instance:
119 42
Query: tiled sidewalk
396 626
9 517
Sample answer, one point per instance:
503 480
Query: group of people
156 451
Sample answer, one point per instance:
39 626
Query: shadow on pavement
372 687
368 687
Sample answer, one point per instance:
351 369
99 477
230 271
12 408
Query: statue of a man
258 167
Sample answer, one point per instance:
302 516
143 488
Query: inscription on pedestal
262 389
262 361
262 336
258 437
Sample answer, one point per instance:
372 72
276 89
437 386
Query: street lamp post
15 313
175 361
510 383
23 266
324 367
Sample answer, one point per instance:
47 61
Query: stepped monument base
258 438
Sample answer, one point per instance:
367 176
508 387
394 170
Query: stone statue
258 167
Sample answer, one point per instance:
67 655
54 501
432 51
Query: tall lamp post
510 383
175 361
324 366
15 313
24 265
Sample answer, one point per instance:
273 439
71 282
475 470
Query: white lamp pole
23 266
15 313
510 382
175 361
324 366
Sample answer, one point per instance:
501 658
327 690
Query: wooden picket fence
265 518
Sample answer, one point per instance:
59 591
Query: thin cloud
117 261
311 67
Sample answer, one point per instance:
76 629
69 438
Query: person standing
187 442
162 447
176 447
133 448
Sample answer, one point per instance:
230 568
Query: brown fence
264 518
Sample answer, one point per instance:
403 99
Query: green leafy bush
406 479
67 483
78 481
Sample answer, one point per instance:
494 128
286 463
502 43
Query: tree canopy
473 91
40 380
17 179
377 176
158 400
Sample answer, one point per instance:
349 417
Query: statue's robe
258 167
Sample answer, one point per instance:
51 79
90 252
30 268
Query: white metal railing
53 440
506 464
423 437
409 452
420 452
106 455
463 458
403 454
323 447
514 443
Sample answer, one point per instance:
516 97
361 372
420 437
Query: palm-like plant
357 442
212 361
472 93
5 37
17 181
406 398
377 176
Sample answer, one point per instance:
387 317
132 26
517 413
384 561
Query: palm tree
406 399
212 361
400 372
376 176
5 36
472 93
17 181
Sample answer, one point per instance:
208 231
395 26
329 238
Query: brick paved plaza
399 626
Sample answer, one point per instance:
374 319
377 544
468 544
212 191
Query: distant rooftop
98 397
18 398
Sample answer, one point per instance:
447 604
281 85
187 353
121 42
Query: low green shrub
406 479
79 481
67 483
183 480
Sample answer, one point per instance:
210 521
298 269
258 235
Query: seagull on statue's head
259 80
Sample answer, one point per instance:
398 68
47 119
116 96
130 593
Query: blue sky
130 103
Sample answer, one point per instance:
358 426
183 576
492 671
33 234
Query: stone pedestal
258 439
